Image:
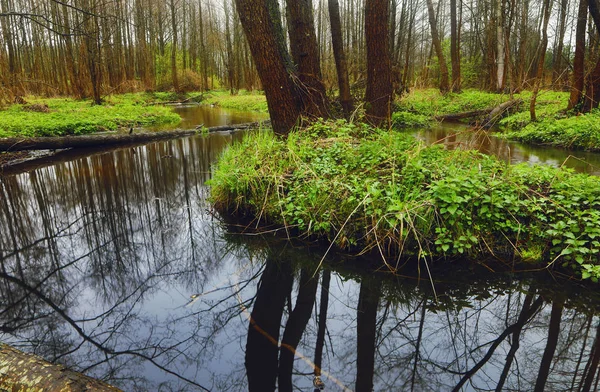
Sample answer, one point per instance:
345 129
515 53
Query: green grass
66 116
575 132
366 189
431 103
254 101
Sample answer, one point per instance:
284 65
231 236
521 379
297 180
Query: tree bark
539 75
592 88
305 53
20 371
500 46
579 60
341 64
261 21
454 48
174 47
379 92
437 44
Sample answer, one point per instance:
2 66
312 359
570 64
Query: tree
437 44
379 92
339 54
454 47
579 59
305 54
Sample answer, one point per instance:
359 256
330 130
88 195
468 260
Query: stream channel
114 263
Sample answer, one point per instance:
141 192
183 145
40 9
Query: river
115 264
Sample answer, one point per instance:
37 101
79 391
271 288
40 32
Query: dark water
115 264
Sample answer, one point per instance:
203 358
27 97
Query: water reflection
114 264
210 116
457 136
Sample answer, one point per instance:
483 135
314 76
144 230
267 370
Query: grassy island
372 190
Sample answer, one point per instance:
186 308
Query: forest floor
367 190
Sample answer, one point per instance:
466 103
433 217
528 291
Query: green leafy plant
364 189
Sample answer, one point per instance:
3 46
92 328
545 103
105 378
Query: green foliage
410 120
73 117
431 102
254 101
576 132
365 188
550 105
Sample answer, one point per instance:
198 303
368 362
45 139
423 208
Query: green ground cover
254 101
382 191
431 103
554 126
67 116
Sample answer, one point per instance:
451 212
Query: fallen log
27 372
235 127
63 142
493 114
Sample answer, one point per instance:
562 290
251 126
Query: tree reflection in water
100 258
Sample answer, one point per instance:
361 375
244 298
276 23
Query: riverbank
67 116
554 126
370 190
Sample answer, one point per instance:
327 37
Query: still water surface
115 264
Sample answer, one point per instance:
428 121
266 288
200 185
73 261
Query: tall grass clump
372 190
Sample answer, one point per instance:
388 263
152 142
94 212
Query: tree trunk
305 54
265 321
454 47
539 76
294 328
558 53
592 88
437 44
18 369
553 335
174 47
366 332
379 92
579 60
322 322
261 21
341 64
500 46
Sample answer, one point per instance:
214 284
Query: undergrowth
576 132
254 101
366 189
66 116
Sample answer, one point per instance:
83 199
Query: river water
115 264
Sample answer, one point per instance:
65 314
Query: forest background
93 48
